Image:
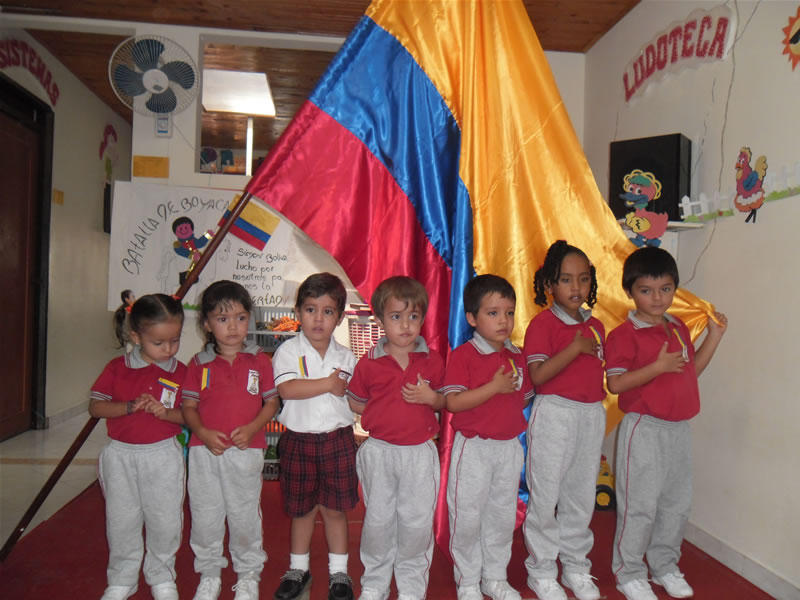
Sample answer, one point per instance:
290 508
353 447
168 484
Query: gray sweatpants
654 495
482 491
564 444
143 485
220 487
400 485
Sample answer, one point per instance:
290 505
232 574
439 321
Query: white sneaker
246 587
498 589
469 592
165 591
637 589
371 594
582 585
547 589
119 592
675 585
208 589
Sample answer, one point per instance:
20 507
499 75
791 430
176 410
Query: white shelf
672 225
267 332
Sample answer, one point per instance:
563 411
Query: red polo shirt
635 344
126 378
377 382
229 395
472 365
549 333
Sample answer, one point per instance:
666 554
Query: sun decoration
792 39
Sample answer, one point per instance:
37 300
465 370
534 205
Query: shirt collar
134 360
566 318
639 324
208 354
419 346
484 347
307 346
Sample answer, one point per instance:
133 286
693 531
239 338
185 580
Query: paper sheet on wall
148 256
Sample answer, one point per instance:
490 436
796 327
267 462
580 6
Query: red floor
65 557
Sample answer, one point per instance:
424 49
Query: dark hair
482 285
322 284
550 271
648 262
180 221
222 294
405 289
146 311
125 296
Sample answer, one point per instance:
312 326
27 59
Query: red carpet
65 557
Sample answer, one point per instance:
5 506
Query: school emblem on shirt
252 382
684 348
517 375
169 390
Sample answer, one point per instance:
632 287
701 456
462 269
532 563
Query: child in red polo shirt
142 470
486 388
652 364
564 352
395 389
228 397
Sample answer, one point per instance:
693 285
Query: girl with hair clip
564 353
141 470
228 398
128 298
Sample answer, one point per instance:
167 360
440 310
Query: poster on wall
159 231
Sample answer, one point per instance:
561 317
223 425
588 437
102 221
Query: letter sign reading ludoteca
704 36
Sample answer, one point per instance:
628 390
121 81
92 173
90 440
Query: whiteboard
143 256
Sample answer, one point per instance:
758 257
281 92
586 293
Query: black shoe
293 583
341 587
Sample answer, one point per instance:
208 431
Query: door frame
37 115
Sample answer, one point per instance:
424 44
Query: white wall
746 453
79 333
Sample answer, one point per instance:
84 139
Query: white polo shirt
296 358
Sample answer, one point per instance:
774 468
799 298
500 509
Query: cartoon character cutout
641 188
187 245
749 183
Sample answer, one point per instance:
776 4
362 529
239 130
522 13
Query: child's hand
216 441
155 408
142 401
505 382
584 344
670 362
241 437
418 393
338 383
717 325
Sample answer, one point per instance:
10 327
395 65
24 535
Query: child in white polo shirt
317 452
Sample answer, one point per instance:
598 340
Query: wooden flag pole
191 278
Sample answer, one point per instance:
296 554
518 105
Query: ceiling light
237 92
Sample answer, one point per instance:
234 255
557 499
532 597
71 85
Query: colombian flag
255 224
436 145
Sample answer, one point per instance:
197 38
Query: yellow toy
605 498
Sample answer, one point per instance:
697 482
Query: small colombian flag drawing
303 366
205 380
255 224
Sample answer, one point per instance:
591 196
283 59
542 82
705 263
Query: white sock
337 563
299 561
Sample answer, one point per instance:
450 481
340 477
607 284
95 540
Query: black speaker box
667 157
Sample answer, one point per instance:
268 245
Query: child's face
160 341
573 285
401 322
228 323
494 319
318 318
652 297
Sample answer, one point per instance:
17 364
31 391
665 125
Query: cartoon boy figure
187 245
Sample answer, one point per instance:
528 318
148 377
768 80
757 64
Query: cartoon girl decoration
641 188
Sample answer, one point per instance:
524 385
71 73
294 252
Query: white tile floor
28 459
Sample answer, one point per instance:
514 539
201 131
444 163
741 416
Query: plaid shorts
318 468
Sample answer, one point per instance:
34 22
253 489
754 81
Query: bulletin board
145 252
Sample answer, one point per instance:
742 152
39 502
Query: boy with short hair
486 388
395 390
317 452
652 364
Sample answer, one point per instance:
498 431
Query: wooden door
19 244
